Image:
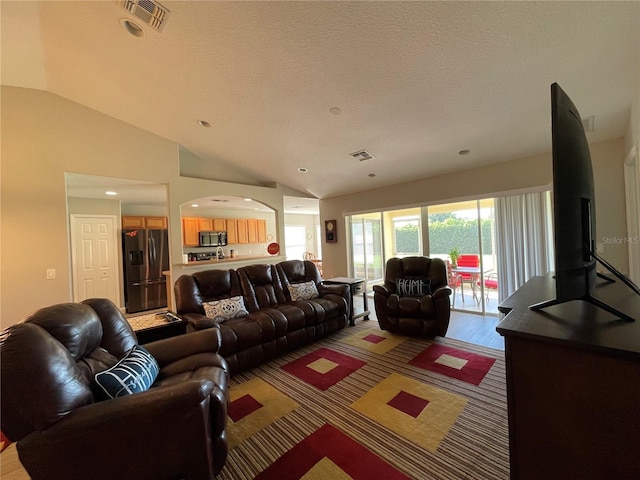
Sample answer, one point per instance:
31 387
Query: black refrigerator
145 255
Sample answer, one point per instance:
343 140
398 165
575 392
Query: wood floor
473 328
468 327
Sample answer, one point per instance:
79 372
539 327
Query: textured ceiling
415 82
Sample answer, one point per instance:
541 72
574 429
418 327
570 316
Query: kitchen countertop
236 259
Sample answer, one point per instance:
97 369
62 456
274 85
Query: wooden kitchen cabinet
232 231
155 222
190 237
252 230
262 231
219 224
205 224
243 231
131 221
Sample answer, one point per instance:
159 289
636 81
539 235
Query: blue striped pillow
134 373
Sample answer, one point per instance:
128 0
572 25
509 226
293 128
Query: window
406 236
295 241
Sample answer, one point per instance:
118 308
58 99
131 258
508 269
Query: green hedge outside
446 234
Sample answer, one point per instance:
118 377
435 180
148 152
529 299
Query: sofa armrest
441 292
337 289
382 290
129 437
175 348
197 321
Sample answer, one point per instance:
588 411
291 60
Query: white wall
503 178
42 137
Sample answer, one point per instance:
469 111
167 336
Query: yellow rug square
324 470
429 427
322 365
374 340
452 362
275 405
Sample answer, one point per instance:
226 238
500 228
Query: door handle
142 284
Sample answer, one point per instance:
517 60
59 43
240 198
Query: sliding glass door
366 248
463 234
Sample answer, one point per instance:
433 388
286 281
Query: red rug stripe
354 459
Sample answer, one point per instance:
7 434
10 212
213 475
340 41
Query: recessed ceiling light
335 110
204 123
195 205
110 193
247 199
303 170
464 152
132 27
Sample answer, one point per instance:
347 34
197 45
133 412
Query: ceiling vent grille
362 155
150 12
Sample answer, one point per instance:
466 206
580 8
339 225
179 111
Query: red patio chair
469 260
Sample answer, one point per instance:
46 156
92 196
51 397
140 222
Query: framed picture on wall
330 231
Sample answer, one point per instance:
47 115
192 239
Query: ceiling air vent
150 12
362 155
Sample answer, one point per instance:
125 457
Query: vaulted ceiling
290 85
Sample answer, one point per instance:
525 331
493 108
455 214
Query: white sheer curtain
524 239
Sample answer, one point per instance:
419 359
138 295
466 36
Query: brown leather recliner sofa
414 314
51 405
274 323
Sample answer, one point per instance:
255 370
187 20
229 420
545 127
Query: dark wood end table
356 285
161 325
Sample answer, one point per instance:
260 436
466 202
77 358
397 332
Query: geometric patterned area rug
329 454
419 412
254 405
465 366
464 424
374 340
323 368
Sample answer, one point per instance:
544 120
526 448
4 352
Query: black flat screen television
574 213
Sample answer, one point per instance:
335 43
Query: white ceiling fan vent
362 155
149 11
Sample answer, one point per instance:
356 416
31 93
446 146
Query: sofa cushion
413 287
303 291
134 373
225 309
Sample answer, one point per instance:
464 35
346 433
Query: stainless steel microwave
213 239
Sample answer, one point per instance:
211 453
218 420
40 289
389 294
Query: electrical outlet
51 273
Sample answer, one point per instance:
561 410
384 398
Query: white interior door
94 253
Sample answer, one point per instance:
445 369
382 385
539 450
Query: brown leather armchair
50 405
414 315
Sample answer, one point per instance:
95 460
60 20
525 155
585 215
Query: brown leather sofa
274 323
414 315
51 407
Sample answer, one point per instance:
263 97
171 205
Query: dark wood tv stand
573 385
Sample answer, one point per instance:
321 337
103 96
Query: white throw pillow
222 310
303 291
